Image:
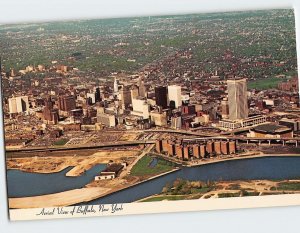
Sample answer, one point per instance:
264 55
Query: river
278 168
26 184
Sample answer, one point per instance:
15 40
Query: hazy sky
14 11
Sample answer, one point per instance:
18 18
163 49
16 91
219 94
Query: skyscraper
161 96
125 95
116 87
97 95
174 93
142 90
66 103
237 99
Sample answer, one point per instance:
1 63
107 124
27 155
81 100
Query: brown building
66 103
179 151
224 148
232 147
186 152
217 146
158 146
71 127
49 114
171 149
196 151
165 145
202 151
209 147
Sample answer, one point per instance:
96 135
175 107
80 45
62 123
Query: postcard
151 114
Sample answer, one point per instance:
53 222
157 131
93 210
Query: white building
174 94
92 96
116 87
106 119
237 99
140 108
18 104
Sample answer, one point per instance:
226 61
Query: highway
81 147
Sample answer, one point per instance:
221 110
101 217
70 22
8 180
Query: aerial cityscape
151 108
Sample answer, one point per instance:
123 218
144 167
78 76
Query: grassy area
166 197
142 168
61 142
221 195
264 84
293 186
247 193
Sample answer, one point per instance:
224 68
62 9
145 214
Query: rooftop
271 128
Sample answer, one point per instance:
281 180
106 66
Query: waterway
278 168
26 184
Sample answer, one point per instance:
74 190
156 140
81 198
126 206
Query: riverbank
219 160
189 190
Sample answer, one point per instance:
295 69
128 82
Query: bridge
247 140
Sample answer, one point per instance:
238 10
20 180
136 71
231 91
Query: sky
19 11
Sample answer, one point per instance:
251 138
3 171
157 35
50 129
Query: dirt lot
81 163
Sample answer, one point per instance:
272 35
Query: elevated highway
82 147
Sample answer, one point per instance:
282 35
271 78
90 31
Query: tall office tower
161 96
97 95
50 114
116 87
134 93
66 103
18 104
174 93
237 99
125 94
142 90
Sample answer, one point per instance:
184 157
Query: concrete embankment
66 198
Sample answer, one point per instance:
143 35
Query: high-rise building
125 95
66 103
50 115
142 89
18 104
161 96
97 95
140 108
116 87
237 99
134 93
174 93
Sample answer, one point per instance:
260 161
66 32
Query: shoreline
240 158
